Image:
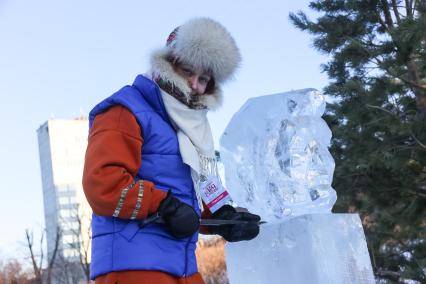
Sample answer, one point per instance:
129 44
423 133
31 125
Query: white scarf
191 125
195 138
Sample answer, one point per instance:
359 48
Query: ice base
308 249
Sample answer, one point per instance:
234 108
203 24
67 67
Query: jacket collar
152 94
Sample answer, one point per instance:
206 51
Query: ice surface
309 249
277 165
275 155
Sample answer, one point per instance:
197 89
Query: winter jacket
118 244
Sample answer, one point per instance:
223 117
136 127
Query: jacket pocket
130 230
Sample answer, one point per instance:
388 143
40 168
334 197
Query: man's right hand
238 232
180 218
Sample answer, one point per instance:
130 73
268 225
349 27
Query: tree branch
395 11
80 243
41 249
37 269
381 22
388 17
52 260
380 108
408 4
418 141
418 89
414 4
417 194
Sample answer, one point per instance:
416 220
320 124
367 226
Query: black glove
237 232
180 218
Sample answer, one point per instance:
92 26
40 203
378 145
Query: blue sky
59 57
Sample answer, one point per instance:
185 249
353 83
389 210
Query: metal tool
156 218
219 222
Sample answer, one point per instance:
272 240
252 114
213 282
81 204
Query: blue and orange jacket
132 161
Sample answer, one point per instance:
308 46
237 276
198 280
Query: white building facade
62 146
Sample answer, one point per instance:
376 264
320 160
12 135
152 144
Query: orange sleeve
112 161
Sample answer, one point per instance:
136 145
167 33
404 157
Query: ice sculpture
309 249
274 151
275 155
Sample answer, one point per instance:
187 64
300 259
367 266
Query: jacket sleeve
112 160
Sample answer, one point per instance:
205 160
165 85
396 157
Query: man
150 153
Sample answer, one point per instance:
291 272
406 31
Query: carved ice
275 154
277 165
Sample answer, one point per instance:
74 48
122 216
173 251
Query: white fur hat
205 43
200 42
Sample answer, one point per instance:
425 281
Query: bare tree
37 266
77 234
12 273
82 234
84 250
37 260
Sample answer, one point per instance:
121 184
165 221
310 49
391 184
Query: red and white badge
214 194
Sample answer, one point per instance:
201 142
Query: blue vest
119 244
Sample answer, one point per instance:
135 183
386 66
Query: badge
213 193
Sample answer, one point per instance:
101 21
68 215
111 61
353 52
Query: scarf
194 135
192 101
